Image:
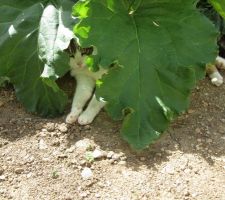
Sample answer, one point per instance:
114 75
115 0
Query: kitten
213 73
86 80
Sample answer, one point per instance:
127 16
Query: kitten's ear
71 49
73 46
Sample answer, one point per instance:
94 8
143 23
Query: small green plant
89 157
55 174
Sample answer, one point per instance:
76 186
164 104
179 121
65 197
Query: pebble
50 127
56 143
2 191
1 103
84 194
18 170
198 130
63 128
168 169
87 127
29 175
116 157
2 177
86 173
42 145
82 144
142 159
199 140
97 195
110 154
70 150
98 154
82 162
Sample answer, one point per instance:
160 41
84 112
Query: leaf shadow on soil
201 131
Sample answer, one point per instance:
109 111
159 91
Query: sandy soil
45 159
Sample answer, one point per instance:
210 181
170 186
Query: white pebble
42 144
2 177
98 154
86 173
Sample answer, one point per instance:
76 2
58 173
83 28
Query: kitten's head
78 54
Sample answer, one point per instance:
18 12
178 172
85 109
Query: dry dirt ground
45 159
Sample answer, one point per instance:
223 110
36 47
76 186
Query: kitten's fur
213 73
84 89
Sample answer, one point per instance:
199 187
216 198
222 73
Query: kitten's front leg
91 111
84 89
214 75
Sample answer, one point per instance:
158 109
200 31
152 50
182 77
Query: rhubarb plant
33 35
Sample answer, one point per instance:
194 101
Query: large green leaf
33 35
161 47
219 6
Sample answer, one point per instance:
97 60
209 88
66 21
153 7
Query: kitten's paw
216 78
71 118
220 62
85 119
217 82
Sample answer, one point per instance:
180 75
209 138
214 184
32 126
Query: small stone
116 157
70 150
63 128
87 127
18 170
82 162
199 140
209 140
198 130
50 127
123 158
2 191
56 143
82 144
159 154
29 175
190 111
142 159
86 173
168 169
198 148
84 194
2 178
186 193
97 195
42 145
110 154
194 195
98 154
71 137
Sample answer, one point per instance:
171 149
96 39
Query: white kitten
86 80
